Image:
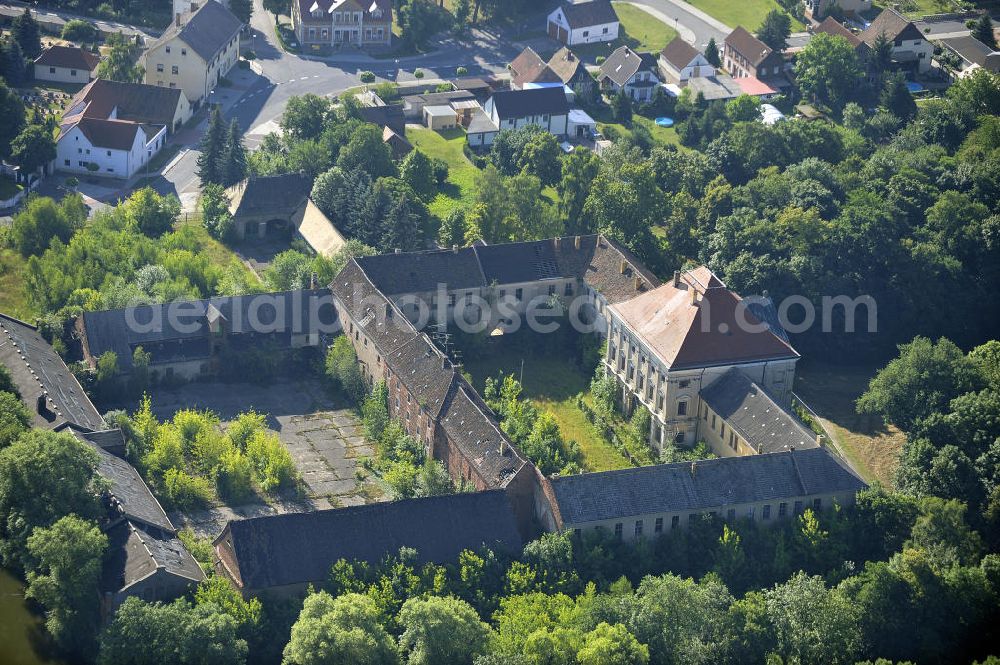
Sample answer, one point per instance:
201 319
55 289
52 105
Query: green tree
541 158
215 215
922 380
233 167
342 368
13 64
33 148
983 31
40 222
151 213
612 645
417 171
827 70
744 108
418 21
345 629
621 107
64 580
813 624
712 53
121 62
441 631
77 30
12 111
25 30
452 231
896 97
218 592
14 418
43 477
578 172
171 633
774 29
305 116
242 9
461 9
366 151
276 7
212 147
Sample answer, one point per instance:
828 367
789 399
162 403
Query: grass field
552 383
831 390
748 13
460 189
640 31
13 295
918 8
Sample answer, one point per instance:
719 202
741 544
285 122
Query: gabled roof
277 195
70 57
134 101
971 49
207 30
109 134
390 115
893 25
701 486
416 272
37 369
623 64
755 416
678 53
586 14
536 101
566 65
707 332
134 554
424 370
832 26
528 67
748 46
296 548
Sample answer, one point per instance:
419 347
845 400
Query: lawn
748 13
13 294
604 118
831 391
640 31
918 8
460 189
552 383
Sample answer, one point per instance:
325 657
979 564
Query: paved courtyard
324 438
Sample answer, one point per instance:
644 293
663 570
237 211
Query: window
722 431
692 518
798 507
638 528
713 421
184 51
552 289
730 514
817 503
679 438
705 413
685 383
766 512
750 513
658 526
168 49
66 162
618 531
576 532
568 290
519 293
52 70
675 521
159 66
659 401
174 70
586 33
109 153
605 31
782 509
682 408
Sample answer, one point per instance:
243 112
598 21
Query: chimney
677 278
821 440
621 268
694 468
177 19
556 241
694 296
638 283
503 447
576 242
444 362
388 310
454 249
398 251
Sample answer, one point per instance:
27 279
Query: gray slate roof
134 554
624 63
586 14
206 31
35 368
296 548
756 417
417 272
129 494
701 486
535 101
185 334
424 370
278 195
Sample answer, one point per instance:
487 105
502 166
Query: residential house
572 72
188 6
679 61
545 107
337 23
112 148
186 340
135 102
575 23
480 130
745 55
668 345
973 54
817 9
910 49
635 73
145 558
652 501
528 67
832 26
195 52
66 64
286 553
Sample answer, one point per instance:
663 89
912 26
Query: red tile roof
69 57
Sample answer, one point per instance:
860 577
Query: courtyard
323 436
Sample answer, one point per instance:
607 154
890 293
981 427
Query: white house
575 23
910 49
191 6
545 107
679 61
631 71
66 64
111 148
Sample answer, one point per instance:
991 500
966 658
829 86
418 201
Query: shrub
599 59
93 167
418 74
461 71
367 76
272 465
185 492
77 30
386 90
234 477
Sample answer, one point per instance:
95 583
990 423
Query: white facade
186 6
700 67
553 124
558 27
74 152
910 50
176 65
62 74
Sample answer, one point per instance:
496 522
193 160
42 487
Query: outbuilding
440 117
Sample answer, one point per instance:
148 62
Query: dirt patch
831 391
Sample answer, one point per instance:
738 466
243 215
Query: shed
440 117
580 125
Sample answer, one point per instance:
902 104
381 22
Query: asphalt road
694 25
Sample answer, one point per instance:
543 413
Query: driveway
695 26
324 439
